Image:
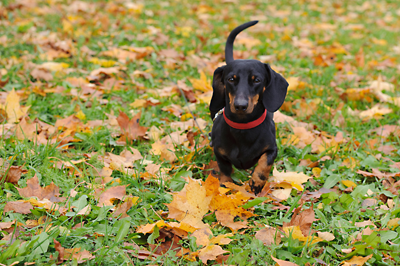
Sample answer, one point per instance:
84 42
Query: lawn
104 122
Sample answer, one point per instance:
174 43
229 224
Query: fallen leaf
295 179
302 219
356 261
210 253
13 107
269 236
283 262
108 197
20 206
326 236
130 128
33 189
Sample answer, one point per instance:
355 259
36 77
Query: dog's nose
241 105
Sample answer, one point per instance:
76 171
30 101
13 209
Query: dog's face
244 84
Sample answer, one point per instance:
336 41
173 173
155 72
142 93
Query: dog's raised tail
231 39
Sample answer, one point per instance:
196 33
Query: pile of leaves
105 156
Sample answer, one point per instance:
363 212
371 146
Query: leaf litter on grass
102 161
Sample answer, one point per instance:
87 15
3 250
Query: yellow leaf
80 115
393 223
349 183
316 171
356 261
13 109
53 66
293 83
379 41
138 103
295 179
67 26
210 253
201 84
296 233
186 117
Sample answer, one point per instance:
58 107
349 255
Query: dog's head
243 84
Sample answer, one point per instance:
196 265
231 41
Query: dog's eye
231 79
257 80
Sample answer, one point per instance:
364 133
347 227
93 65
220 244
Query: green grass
107 24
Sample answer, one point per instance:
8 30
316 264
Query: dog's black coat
245 88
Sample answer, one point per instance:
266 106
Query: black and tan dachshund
246 93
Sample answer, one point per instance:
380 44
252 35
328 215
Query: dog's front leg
225 167
262 170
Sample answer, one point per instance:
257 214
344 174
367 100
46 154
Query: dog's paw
256 187
223 178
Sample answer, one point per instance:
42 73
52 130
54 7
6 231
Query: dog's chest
247 148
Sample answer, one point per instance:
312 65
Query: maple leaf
131 129
210 253
13 174
20 206
201 84
295 179
269 236
295 233
12 107
108 197
33 189
356 261
190 204
302 219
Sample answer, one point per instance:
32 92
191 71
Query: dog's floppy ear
275 90
218 97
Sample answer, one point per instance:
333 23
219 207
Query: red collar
248 125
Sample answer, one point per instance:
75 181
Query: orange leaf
210 253
130 127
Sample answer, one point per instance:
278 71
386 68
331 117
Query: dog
246 93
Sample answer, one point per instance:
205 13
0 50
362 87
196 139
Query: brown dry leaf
125 206
377 173
26 130
75 253
108 197
41 74
152 168
130 128
283 262
33 189
302 219
20 206
59 249
269 236
356 261
210 253
6 225
281 118
13 174
99 73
